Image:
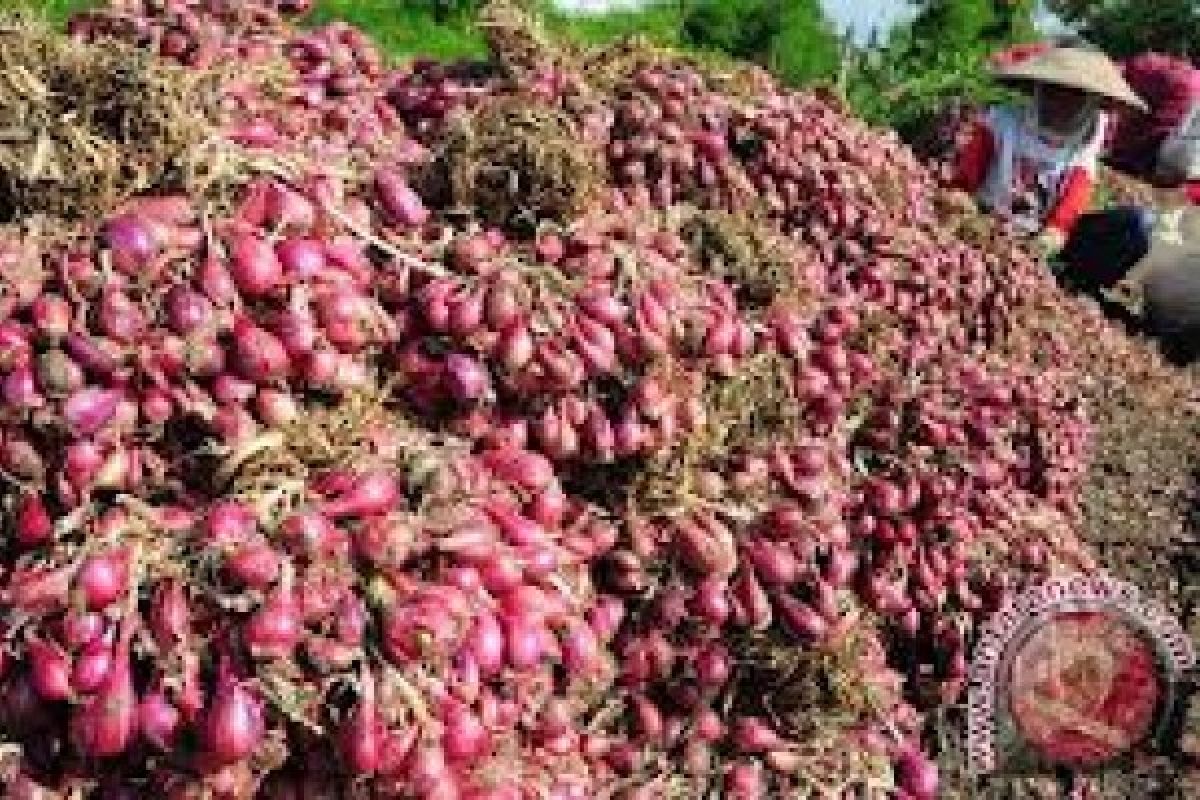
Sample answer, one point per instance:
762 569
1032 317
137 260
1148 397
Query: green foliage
741 28
661 23
791 37
938 60
972 24
57 11
1127 27
805 50
444 10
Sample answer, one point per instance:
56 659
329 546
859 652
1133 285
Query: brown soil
1141 510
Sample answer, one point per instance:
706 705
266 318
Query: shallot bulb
132 242
105 725
363 735
233 726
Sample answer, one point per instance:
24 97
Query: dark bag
1105 245
1171 302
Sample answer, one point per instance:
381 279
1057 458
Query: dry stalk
519 162
84 127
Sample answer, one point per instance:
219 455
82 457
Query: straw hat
1076 68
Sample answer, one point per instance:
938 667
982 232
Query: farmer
1036 165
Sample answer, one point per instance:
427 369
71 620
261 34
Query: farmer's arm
1073 201
975 159
1075 190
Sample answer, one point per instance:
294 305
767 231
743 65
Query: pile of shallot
328 487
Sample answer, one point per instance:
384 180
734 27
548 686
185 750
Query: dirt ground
1142 514
1141 503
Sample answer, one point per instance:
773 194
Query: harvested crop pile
673 446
